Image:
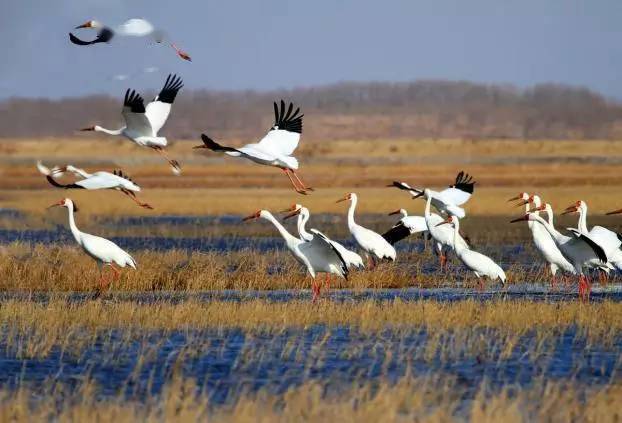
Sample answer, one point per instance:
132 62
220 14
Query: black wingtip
286 120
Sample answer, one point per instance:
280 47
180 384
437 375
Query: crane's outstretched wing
158 110
397 233
598 250
461 190
214 146
104 36
405 187
325 250
53 182
406 226
284 136
136 121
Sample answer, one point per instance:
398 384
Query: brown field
561 171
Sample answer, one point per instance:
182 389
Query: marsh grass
409 399
598 321
42 268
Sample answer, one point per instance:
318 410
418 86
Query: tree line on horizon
349 110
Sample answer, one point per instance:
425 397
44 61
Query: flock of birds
578 253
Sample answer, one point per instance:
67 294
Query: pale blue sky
265 44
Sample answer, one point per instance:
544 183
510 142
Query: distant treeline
436 109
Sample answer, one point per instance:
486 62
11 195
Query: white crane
274 149
131 28
142 124
92 181
351 258
542 239
609 240
443 236
405 227
103 251
481 265
375 246
317 255
449 200
579 249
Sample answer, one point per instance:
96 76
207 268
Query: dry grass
68 269
563 171
410 399
58 317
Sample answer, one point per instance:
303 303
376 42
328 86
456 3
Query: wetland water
228 361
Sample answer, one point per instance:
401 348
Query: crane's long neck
289 238
458 246
558 237
302 231
72 225
549 215
427 206
351 222
582 225
109 131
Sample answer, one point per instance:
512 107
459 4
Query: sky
269 44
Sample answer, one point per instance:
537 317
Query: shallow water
226 362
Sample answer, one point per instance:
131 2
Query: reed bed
410 399
63 269
57 317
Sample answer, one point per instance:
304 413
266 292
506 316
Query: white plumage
449 200
542 239
142 124
371 242
351 258
275 148
442 235
606 238
317 255
93 181
103 251
579 249
480 264
134 27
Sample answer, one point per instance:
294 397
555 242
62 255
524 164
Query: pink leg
296 187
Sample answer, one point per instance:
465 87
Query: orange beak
444 222
90 128
394 212
614 212
518 197
571 209
252 216
84 25
292 214
291 209
59 203
346 198
520 219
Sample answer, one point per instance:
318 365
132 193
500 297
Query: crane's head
544 207
291 208
253 216
348 196
451 220
65 202
399 211
90 24
574 208
523 197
